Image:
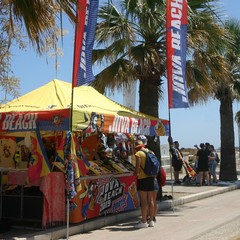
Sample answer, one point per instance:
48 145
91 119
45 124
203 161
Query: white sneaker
141 225
151 224
140 220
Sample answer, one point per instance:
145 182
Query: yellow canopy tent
49 108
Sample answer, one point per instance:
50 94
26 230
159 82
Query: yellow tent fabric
54 95
88 99
57 96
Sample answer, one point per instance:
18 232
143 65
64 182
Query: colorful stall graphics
90 111
33 115
31 156
104 195
8 148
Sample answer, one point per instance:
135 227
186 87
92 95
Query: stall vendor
120 152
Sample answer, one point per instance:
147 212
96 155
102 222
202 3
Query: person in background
120 151
145 187
212 163
143 138
177 157
202 160
207 146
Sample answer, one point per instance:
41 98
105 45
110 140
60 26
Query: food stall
44 117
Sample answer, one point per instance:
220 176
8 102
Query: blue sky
188 126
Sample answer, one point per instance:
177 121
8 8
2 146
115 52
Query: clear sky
188 126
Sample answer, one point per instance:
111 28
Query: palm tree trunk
148 104
148 96
228 159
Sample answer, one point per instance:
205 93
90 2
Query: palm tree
229 90
134 43
37 19
135 51
10 85
225 88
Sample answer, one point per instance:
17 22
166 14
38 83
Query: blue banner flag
85 30
176 24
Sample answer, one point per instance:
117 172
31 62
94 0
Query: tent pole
70 129
67 237
71 112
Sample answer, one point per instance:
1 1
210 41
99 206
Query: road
214 218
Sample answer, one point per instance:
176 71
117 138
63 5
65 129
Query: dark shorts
145 184
177 165
203 167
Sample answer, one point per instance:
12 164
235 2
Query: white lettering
84 42
176 43
176 15
177 4
177 65
176 24
120 124
137 126
20 122
144 126
134 128
178 81
6 122
176 12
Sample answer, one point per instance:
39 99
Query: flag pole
85 27
76 59
170 157
67 237
176 61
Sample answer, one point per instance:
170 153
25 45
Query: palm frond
116 75
39 19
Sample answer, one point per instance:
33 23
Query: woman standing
202 160
145 187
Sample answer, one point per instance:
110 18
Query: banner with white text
176 24
55 120
92 123
89 123
84 39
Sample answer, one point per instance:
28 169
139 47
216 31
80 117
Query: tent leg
67 235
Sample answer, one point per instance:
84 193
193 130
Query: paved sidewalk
212 218
182 194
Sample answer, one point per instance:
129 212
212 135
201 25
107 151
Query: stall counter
101 195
